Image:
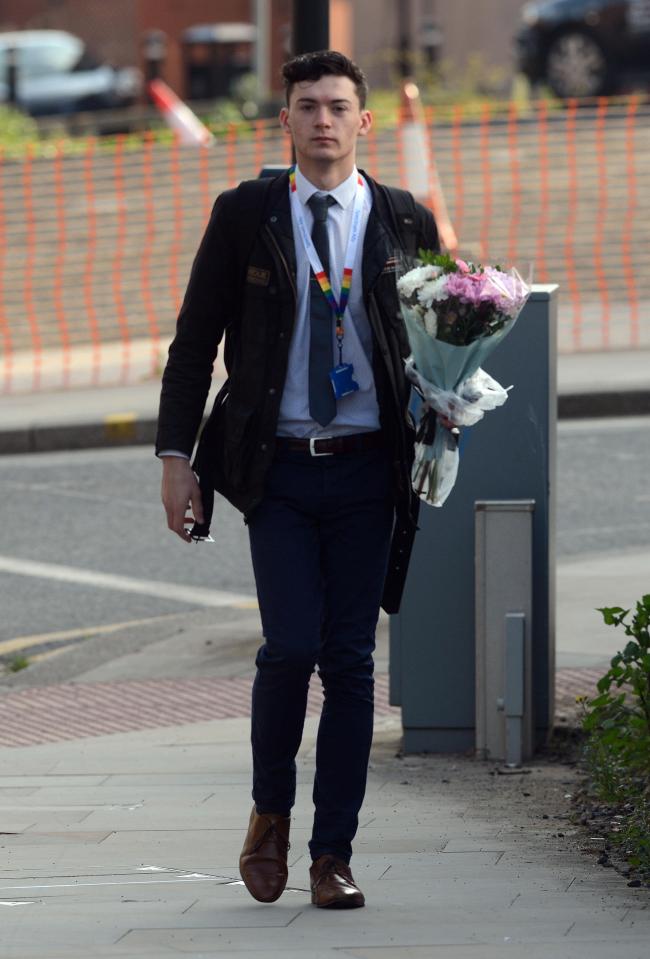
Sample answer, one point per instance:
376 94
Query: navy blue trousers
319 543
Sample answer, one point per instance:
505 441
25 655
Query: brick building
114 30
368 30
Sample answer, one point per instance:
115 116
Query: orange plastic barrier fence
96 244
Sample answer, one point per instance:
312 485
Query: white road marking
193 595
122 882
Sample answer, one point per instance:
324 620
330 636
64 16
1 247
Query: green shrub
617 726
16 128
17 663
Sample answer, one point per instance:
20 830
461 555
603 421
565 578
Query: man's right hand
180 492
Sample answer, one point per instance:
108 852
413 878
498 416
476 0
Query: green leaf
599 701
445 261
609 724
604 683
612 615
630 652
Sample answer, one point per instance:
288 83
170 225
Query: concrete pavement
126 844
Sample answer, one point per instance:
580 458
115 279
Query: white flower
432 290
431 323
409 284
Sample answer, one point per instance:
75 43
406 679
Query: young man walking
310 438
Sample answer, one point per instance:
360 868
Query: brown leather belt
330 445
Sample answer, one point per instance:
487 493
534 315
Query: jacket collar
344 193
380 245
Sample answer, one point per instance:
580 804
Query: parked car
57 74
585 48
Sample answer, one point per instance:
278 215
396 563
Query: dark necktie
322 402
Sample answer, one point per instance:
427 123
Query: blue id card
342 382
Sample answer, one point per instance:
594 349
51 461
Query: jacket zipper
283 260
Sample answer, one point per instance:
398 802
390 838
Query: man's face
324 119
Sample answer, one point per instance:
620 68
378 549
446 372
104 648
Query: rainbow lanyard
338 309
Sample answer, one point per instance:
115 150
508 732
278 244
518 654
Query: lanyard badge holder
342 382
341 376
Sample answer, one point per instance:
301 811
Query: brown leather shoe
263 860
332 885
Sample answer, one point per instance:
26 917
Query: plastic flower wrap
455 313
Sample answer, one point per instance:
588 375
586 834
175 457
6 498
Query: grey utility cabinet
509 455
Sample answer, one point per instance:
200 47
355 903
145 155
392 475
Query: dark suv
585 48
57 74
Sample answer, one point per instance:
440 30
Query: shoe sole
273 898
349 902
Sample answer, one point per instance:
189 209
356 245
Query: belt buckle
312 448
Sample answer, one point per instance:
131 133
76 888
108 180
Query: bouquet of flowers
455 313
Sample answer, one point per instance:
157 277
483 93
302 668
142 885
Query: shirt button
272 391
282 335
264 447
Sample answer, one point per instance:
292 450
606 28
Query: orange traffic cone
419 169
179 116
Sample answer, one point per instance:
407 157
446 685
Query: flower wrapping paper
455 315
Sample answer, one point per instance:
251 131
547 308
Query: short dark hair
310 67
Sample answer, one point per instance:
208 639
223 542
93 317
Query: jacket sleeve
209 306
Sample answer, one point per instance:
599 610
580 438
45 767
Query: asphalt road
72 522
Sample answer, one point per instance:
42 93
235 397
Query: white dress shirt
358 412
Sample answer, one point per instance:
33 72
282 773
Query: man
311 439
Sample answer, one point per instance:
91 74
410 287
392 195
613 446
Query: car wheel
576 66
92 104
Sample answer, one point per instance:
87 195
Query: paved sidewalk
127 846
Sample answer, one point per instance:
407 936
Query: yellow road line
120 426
25 642
48 655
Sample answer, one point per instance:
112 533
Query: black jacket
245 288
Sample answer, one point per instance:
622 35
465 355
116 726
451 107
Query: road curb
127 429
605 403
114 430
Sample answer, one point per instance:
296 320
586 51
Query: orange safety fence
97 240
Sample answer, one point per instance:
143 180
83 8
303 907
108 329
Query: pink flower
507 292
468 287
462 265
